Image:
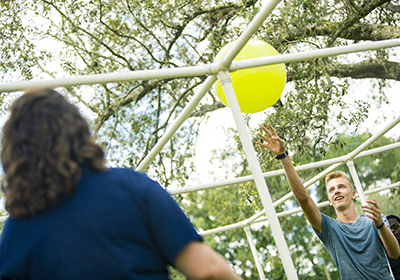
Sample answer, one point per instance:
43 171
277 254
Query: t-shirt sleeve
171 229
325 231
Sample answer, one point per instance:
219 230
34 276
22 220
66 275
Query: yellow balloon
256 88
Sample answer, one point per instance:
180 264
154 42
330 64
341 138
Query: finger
369 208
372 201
262 137
374 204
272 129
370 214
261 144
366 210
266 131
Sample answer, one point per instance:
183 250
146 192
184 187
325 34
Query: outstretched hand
373 212
271 141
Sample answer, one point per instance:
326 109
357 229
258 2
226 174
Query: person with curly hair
357 243
71 217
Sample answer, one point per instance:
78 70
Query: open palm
271 141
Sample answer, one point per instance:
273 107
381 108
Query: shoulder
137 180
120 174
119 180
326 219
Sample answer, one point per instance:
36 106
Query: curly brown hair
45 143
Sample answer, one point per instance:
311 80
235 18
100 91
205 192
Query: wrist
381 225
283 155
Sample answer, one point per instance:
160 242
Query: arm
276 145
198 261
388 239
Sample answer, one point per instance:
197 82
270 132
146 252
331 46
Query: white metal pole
342 160
248 32
372 139
356 181
308 55
326 203
181 118
255 252
117 77
262 219
193 71
309 182
257 216
287 213
225 81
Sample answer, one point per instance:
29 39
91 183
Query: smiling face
395 226
340 193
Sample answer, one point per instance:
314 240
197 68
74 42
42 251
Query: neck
348 215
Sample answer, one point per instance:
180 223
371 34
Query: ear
353 195
330 203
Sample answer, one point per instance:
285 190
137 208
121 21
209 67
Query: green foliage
388 203
311 260
52 39
373 170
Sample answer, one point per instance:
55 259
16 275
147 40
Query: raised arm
388 239
275 144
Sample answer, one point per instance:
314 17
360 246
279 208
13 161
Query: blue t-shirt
356 248
118 225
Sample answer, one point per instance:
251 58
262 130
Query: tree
52 39
218 207
110 36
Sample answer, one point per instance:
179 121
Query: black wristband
281 156
381 226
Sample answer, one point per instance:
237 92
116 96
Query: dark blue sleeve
171 229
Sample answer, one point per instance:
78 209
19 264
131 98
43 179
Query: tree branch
357 32
207 108
373 68
363 11
391 7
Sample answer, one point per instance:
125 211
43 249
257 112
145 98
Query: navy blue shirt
395 265
118 225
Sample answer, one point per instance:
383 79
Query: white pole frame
254 251
262 188
269 174
195 71
245 223
356 153
221 69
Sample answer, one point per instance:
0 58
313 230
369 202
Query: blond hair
338 174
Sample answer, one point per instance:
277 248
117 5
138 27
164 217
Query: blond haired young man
357 243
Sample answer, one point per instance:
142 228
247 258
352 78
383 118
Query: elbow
395 252
394 255
304 200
